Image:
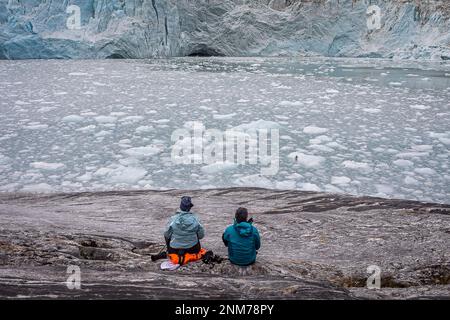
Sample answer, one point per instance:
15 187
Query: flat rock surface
314 246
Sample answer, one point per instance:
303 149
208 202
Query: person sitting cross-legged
183 235
242 239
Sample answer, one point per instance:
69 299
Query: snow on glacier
102 125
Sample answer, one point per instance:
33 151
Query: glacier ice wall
161 28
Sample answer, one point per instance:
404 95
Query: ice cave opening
204 51
116 56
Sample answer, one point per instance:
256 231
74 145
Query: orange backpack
185 258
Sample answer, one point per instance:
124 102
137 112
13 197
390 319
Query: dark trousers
193 250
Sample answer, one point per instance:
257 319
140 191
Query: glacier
140 29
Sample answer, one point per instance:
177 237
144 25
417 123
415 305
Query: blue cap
186 203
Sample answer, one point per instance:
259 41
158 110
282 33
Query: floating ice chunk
45 109
224 116
321 148
442 137
320 139
403 163
444 140
334 144
314 130
69 185
218 167
47 166
4 159
118 114
439 135
384 189
37 188
290 103
307 160
286 137
294 176
425 171
143 152
419 107
79 74
371 110
410 181
99 84
285 185
87 128
105 119
144 129
147 184
36 126
340 180
306 186
127 175
350 164
255 180
102 172
88 114
130 162
21 103
72 118
257 125
411 154
162 121
124 142
333 189
85 177
422 147
10 187
194 125
4 168
132 119
103 133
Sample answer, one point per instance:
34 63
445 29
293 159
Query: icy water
365 127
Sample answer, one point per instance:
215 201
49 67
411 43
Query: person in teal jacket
184 231
242 239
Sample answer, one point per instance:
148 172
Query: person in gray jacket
184 231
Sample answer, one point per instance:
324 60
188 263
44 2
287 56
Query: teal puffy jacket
242 240
184 230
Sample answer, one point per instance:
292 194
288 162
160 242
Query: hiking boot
162 255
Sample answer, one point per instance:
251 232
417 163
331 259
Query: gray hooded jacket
184 230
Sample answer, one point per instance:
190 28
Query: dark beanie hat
241 215
186 203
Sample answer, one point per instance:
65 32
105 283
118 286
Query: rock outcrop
314 246
164 28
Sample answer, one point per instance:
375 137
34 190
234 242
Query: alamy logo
195 145
74 20
74 279
374 280
374 17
